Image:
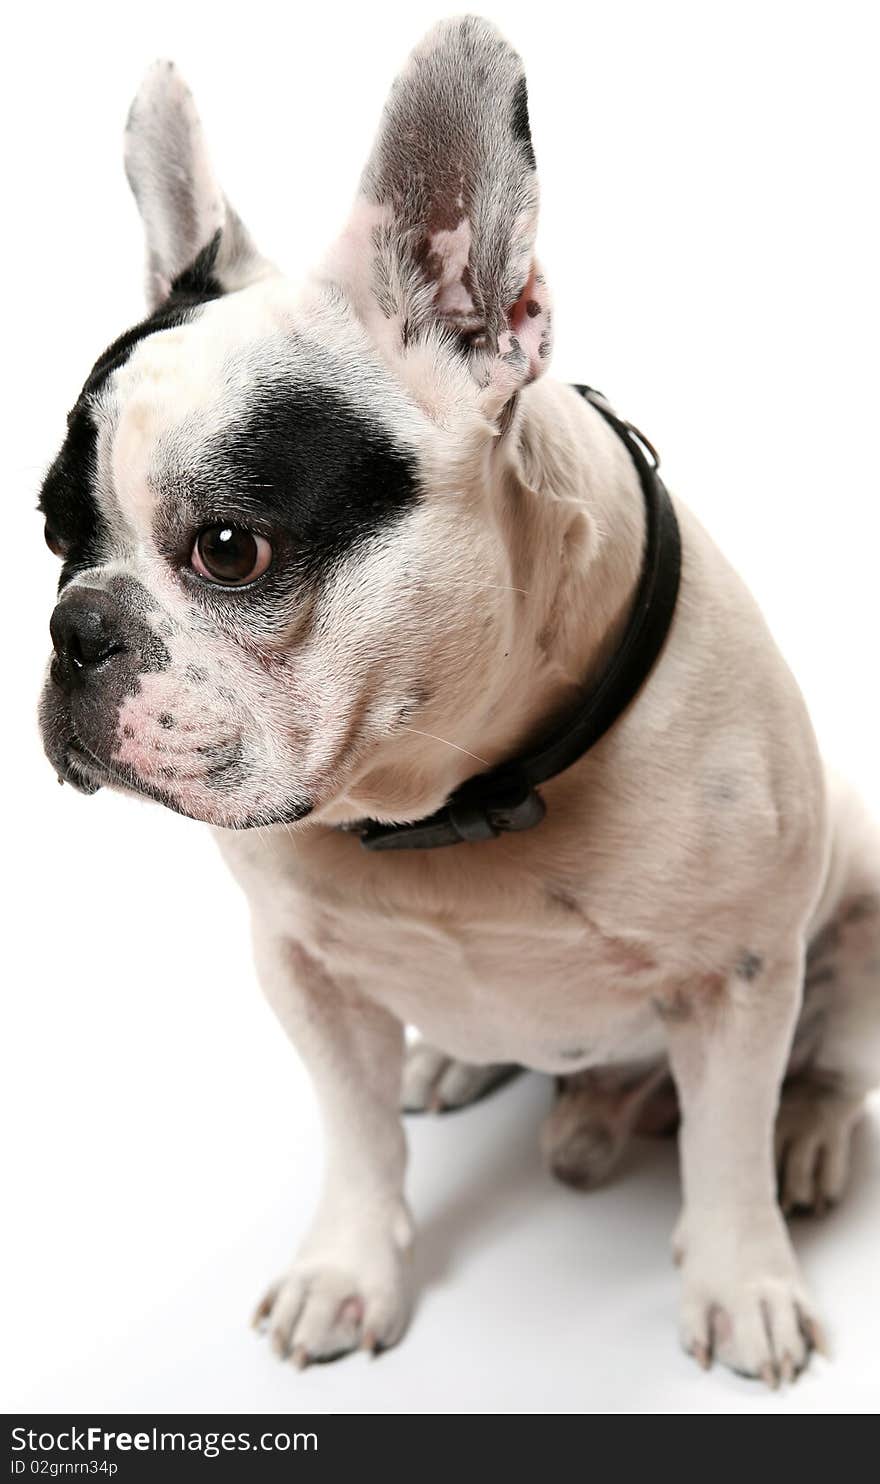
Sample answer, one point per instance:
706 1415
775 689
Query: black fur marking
166 720
302 458
67 497
195 286
520 120
749 966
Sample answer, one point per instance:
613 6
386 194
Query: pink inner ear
529 320
522 352
447 262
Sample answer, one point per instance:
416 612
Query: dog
338 554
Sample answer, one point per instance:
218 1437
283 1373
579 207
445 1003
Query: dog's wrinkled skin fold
455 543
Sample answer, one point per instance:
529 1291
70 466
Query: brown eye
230 554
56 546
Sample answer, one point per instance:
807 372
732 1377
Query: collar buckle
471 814
513 805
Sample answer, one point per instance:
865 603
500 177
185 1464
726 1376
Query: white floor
166 1154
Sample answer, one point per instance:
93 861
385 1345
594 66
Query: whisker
447 743
501 587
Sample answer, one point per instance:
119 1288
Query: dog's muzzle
86 636
103 644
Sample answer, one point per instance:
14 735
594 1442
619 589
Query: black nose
84 629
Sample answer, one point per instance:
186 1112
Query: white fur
662 910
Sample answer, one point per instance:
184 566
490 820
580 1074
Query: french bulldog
332 549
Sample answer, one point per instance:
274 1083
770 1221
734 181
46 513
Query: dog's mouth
76 764
88 773
79 764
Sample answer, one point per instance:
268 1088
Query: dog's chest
491 969
495 992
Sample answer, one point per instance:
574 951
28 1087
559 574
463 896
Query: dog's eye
230 554
54 543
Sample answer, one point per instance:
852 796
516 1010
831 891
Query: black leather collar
506 797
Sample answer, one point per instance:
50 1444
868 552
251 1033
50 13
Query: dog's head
274 502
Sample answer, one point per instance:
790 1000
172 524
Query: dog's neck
571 513
579 523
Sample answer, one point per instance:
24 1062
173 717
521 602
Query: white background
710 230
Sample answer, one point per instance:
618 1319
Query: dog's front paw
752 1315
336 1298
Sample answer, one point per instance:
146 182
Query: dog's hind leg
433 1082
835 1059
588 1128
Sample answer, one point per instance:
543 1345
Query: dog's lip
85 755
87 761
80 768
75 745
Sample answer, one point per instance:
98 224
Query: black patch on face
302 458
749 966
67 498
520 120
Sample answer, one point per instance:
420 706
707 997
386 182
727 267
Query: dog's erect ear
443 231
182 206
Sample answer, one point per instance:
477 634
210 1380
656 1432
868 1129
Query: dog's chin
88 774
73 761
79 764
